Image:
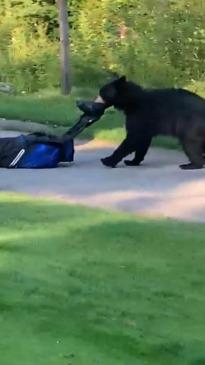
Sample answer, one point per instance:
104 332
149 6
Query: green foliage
28 58
163 41
156 42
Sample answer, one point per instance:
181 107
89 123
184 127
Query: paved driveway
156 188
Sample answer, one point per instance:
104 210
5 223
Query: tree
64 46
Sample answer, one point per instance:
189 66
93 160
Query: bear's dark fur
173 112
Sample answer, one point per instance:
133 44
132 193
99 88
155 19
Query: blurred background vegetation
156 42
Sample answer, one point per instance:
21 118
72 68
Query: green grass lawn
52 108
88 287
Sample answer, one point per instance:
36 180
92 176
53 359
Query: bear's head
118 93
112 92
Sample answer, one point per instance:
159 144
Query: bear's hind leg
194 151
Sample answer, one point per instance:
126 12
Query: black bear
175 112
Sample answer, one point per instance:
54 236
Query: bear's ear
122 79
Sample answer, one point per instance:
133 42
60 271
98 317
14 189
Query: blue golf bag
43 154
35 151
39 150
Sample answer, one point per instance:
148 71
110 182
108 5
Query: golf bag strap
84 122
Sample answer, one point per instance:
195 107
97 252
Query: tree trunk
64 47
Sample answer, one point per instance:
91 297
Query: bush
155 42
28 59
158 43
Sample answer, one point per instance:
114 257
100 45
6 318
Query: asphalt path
157 188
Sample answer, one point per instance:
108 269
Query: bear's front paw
107 161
